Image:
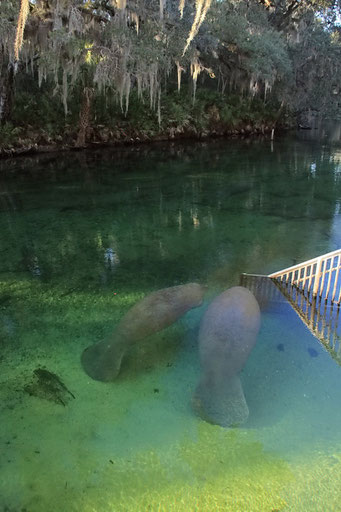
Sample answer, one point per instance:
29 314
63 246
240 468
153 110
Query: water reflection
230 207
327 130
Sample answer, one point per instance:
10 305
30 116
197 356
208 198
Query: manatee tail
223 405
102 361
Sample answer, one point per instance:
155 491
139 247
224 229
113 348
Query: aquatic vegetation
221 470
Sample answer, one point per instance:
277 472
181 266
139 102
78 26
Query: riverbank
40 144
47 129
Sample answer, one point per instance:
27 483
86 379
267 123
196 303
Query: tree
86 49
7 25
114 45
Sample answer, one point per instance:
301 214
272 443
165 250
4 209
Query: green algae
221 471
238 476
166 481
316 484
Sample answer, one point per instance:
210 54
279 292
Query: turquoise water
85 235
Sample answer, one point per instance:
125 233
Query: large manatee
228 332
153 313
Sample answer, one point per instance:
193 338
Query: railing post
317 276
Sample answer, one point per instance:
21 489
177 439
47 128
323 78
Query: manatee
228 332
153 313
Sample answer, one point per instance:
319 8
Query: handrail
315 277
322 317
307 262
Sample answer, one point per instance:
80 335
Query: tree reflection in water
168 214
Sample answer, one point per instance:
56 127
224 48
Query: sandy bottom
135 444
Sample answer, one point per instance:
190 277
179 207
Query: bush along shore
40 125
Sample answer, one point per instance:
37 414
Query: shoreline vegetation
210 116
77 74
39 145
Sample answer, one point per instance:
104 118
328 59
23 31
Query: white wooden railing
318 277
313 289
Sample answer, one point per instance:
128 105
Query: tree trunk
6 93
84 117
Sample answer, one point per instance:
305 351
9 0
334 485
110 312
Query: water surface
85 235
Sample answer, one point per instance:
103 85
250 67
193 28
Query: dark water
83 236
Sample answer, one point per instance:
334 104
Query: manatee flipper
222 403
102 361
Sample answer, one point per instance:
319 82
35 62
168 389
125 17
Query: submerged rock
48 386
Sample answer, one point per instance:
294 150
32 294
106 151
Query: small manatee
153 313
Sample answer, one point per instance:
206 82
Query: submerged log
48 386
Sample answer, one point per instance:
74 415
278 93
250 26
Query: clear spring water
83 236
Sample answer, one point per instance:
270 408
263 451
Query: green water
83 236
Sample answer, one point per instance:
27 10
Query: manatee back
228 331
158 310
154 312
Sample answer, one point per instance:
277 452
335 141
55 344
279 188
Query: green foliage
287 54
316 60
9 134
